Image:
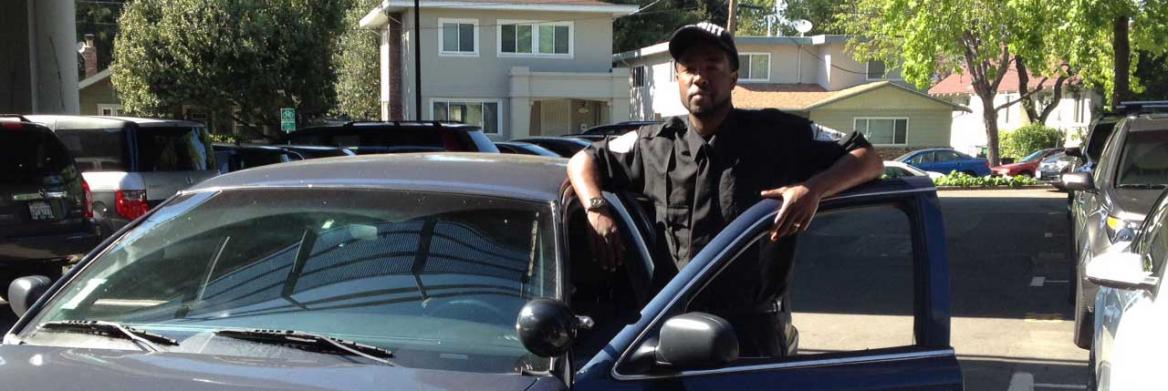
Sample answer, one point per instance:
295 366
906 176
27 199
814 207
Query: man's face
705 78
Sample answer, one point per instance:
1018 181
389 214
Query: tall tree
1103 37
357 61
239 58
944 36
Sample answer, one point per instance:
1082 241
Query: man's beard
705 112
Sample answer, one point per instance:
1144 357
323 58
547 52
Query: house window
459 37
884 131
109 110
535 38
754 66
639 76
876 70
471 112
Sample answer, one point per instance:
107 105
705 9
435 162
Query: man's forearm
584 175
854 168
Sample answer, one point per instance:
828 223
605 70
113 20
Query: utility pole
732 17
417 63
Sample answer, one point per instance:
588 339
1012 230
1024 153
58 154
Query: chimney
89 54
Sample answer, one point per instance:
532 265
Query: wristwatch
596 204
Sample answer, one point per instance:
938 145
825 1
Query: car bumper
63 248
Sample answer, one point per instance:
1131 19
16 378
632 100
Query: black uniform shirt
698 186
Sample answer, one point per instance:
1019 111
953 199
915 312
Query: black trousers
762 334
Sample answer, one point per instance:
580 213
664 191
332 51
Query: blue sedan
457 271
946 160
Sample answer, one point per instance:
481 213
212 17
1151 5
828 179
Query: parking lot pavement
1011 323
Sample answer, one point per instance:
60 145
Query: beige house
516 68
809 76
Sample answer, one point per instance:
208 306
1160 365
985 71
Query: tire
1084 319
1027 174
970 173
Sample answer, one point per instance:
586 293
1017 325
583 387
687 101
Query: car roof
1148 122
81 121
568 139
389 126
534 178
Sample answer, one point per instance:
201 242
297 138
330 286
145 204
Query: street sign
287 119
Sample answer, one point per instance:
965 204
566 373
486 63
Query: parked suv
1112 199
133 164
399 136
45 219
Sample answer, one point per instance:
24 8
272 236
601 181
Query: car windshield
1145 159
436 278
1032 157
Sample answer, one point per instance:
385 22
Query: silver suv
133 164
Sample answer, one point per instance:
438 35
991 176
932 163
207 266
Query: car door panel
929 364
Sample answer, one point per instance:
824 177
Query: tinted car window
1144 160
944 156
438 279
28 155
96 149
174 149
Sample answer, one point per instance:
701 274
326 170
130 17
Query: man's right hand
607 246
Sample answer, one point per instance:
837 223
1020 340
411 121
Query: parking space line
1061 386
1048 235
1021 381
1037 281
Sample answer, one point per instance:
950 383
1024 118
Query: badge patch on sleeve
624 143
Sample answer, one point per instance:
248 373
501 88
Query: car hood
54 368
1133 204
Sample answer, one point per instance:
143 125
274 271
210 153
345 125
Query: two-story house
1072 114
810 76
516 68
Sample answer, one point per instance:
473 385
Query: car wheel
1027 174
1084 319
970 173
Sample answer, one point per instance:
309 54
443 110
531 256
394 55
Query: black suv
396 136
45 214
1112 197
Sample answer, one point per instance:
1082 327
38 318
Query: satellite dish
802 26
81 47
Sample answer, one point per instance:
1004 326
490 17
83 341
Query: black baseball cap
690 34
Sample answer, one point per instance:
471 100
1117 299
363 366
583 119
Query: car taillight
87 202
131 204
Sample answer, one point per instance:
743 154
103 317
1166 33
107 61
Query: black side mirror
697 340
25 291
547 327
1078 181
1074 151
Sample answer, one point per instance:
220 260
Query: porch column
520 104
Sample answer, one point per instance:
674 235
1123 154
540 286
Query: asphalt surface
1011 325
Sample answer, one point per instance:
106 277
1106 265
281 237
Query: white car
1130 342
895 169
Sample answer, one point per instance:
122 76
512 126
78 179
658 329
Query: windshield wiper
143 339
1140 186
303 339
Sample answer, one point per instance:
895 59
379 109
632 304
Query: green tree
821 14
237 58
940 37
1103 37
357 61
654 23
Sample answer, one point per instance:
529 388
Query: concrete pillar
619 106
54 43
520 103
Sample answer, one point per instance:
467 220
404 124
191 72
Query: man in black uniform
702 170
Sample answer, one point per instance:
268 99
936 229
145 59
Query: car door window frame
930 280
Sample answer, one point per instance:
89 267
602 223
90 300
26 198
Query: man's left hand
800 203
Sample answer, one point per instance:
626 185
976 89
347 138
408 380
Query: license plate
40 211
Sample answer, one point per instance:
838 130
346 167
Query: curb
1028 187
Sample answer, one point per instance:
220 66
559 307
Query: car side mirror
1122 270
1078 181
25 291
696 340
1074 151
547 327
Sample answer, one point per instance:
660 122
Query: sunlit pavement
1011 323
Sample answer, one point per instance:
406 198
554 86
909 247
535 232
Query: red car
1027 166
